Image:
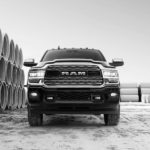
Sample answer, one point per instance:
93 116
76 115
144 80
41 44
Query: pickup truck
73 81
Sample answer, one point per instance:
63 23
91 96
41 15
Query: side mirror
117 62
29 63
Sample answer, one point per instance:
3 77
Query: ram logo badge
73 73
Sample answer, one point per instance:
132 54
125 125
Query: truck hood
73 62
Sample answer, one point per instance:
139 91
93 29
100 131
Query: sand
77 132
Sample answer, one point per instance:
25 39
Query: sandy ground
77 132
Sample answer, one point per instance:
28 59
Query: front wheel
112 119
34 119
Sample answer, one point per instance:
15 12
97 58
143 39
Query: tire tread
34 119
112 119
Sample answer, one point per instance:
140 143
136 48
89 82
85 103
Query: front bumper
73 100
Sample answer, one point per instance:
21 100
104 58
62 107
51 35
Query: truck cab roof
73 53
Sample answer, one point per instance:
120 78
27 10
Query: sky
119 28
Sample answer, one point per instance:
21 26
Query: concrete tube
3 95
143 98
129 85
18 76
22 80
1 42
3 66
14 75
145 90
129 91
24 98
7 95
148 98
0 93
10 96
16 62
5 48
16 100
15 95
12 52
129 98
20 58
145 84
19 98
8 76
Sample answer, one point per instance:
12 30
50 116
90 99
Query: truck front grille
73 75
73 96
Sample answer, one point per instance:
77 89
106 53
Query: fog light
50 98
113 94
34 94
97 98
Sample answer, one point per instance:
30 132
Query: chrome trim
109 84
66 86
73 86
45 63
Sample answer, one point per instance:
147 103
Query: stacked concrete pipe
145 92
10 96
12 90
129 92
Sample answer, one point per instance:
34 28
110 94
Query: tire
34 119
112 119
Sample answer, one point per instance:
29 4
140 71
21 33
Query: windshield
51 55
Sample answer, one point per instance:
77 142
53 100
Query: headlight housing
110 76
110 73
36 73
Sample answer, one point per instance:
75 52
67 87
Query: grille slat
73 96
81 82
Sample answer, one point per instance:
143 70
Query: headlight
110 73
36 73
